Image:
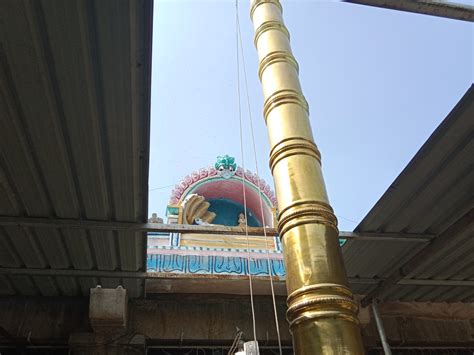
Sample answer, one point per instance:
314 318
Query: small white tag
251 348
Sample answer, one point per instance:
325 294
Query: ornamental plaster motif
225 166
210 172
213 265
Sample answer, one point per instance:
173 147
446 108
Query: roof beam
450 283
437 244
446 9
116 274
186 228
128 226
395 237
167 275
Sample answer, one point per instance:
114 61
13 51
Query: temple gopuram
214 196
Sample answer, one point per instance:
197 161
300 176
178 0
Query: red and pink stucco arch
207 183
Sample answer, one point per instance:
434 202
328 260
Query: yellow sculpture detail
195 208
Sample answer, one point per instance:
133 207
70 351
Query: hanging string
275 312
160 188
237 34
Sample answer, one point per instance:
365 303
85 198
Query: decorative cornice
210 173
218 266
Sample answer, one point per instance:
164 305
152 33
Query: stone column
321 310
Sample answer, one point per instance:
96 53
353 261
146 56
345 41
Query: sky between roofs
378 83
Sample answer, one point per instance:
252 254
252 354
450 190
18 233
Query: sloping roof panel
74 137
435 189
433 195
361 256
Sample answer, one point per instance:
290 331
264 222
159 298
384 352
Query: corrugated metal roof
374 259
74 138
433 195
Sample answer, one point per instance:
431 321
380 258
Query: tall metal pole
321 310
380 328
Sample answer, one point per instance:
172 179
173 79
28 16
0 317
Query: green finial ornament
225 166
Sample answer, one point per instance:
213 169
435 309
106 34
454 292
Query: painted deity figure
155 219
242 220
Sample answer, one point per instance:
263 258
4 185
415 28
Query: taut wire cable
239 36
237 33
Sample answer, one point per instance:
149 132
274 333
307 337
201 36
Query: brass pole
321 310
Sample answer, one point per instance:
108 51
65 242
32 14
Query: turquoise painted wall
228 211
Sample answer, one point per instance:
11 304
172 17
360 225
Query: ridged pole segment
321 311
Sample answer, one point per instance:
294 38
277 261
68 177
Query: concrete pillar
108 315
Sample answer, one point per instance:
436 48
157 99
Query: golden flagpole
321 310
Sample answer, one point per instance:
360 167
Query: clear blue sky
378 83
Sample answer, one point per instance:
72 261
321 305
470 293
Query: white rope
277 326
237 34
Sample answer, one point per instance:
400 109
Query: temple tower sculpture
214 196
321 310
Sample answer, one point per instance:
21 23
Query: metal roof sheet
433 195
74 138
